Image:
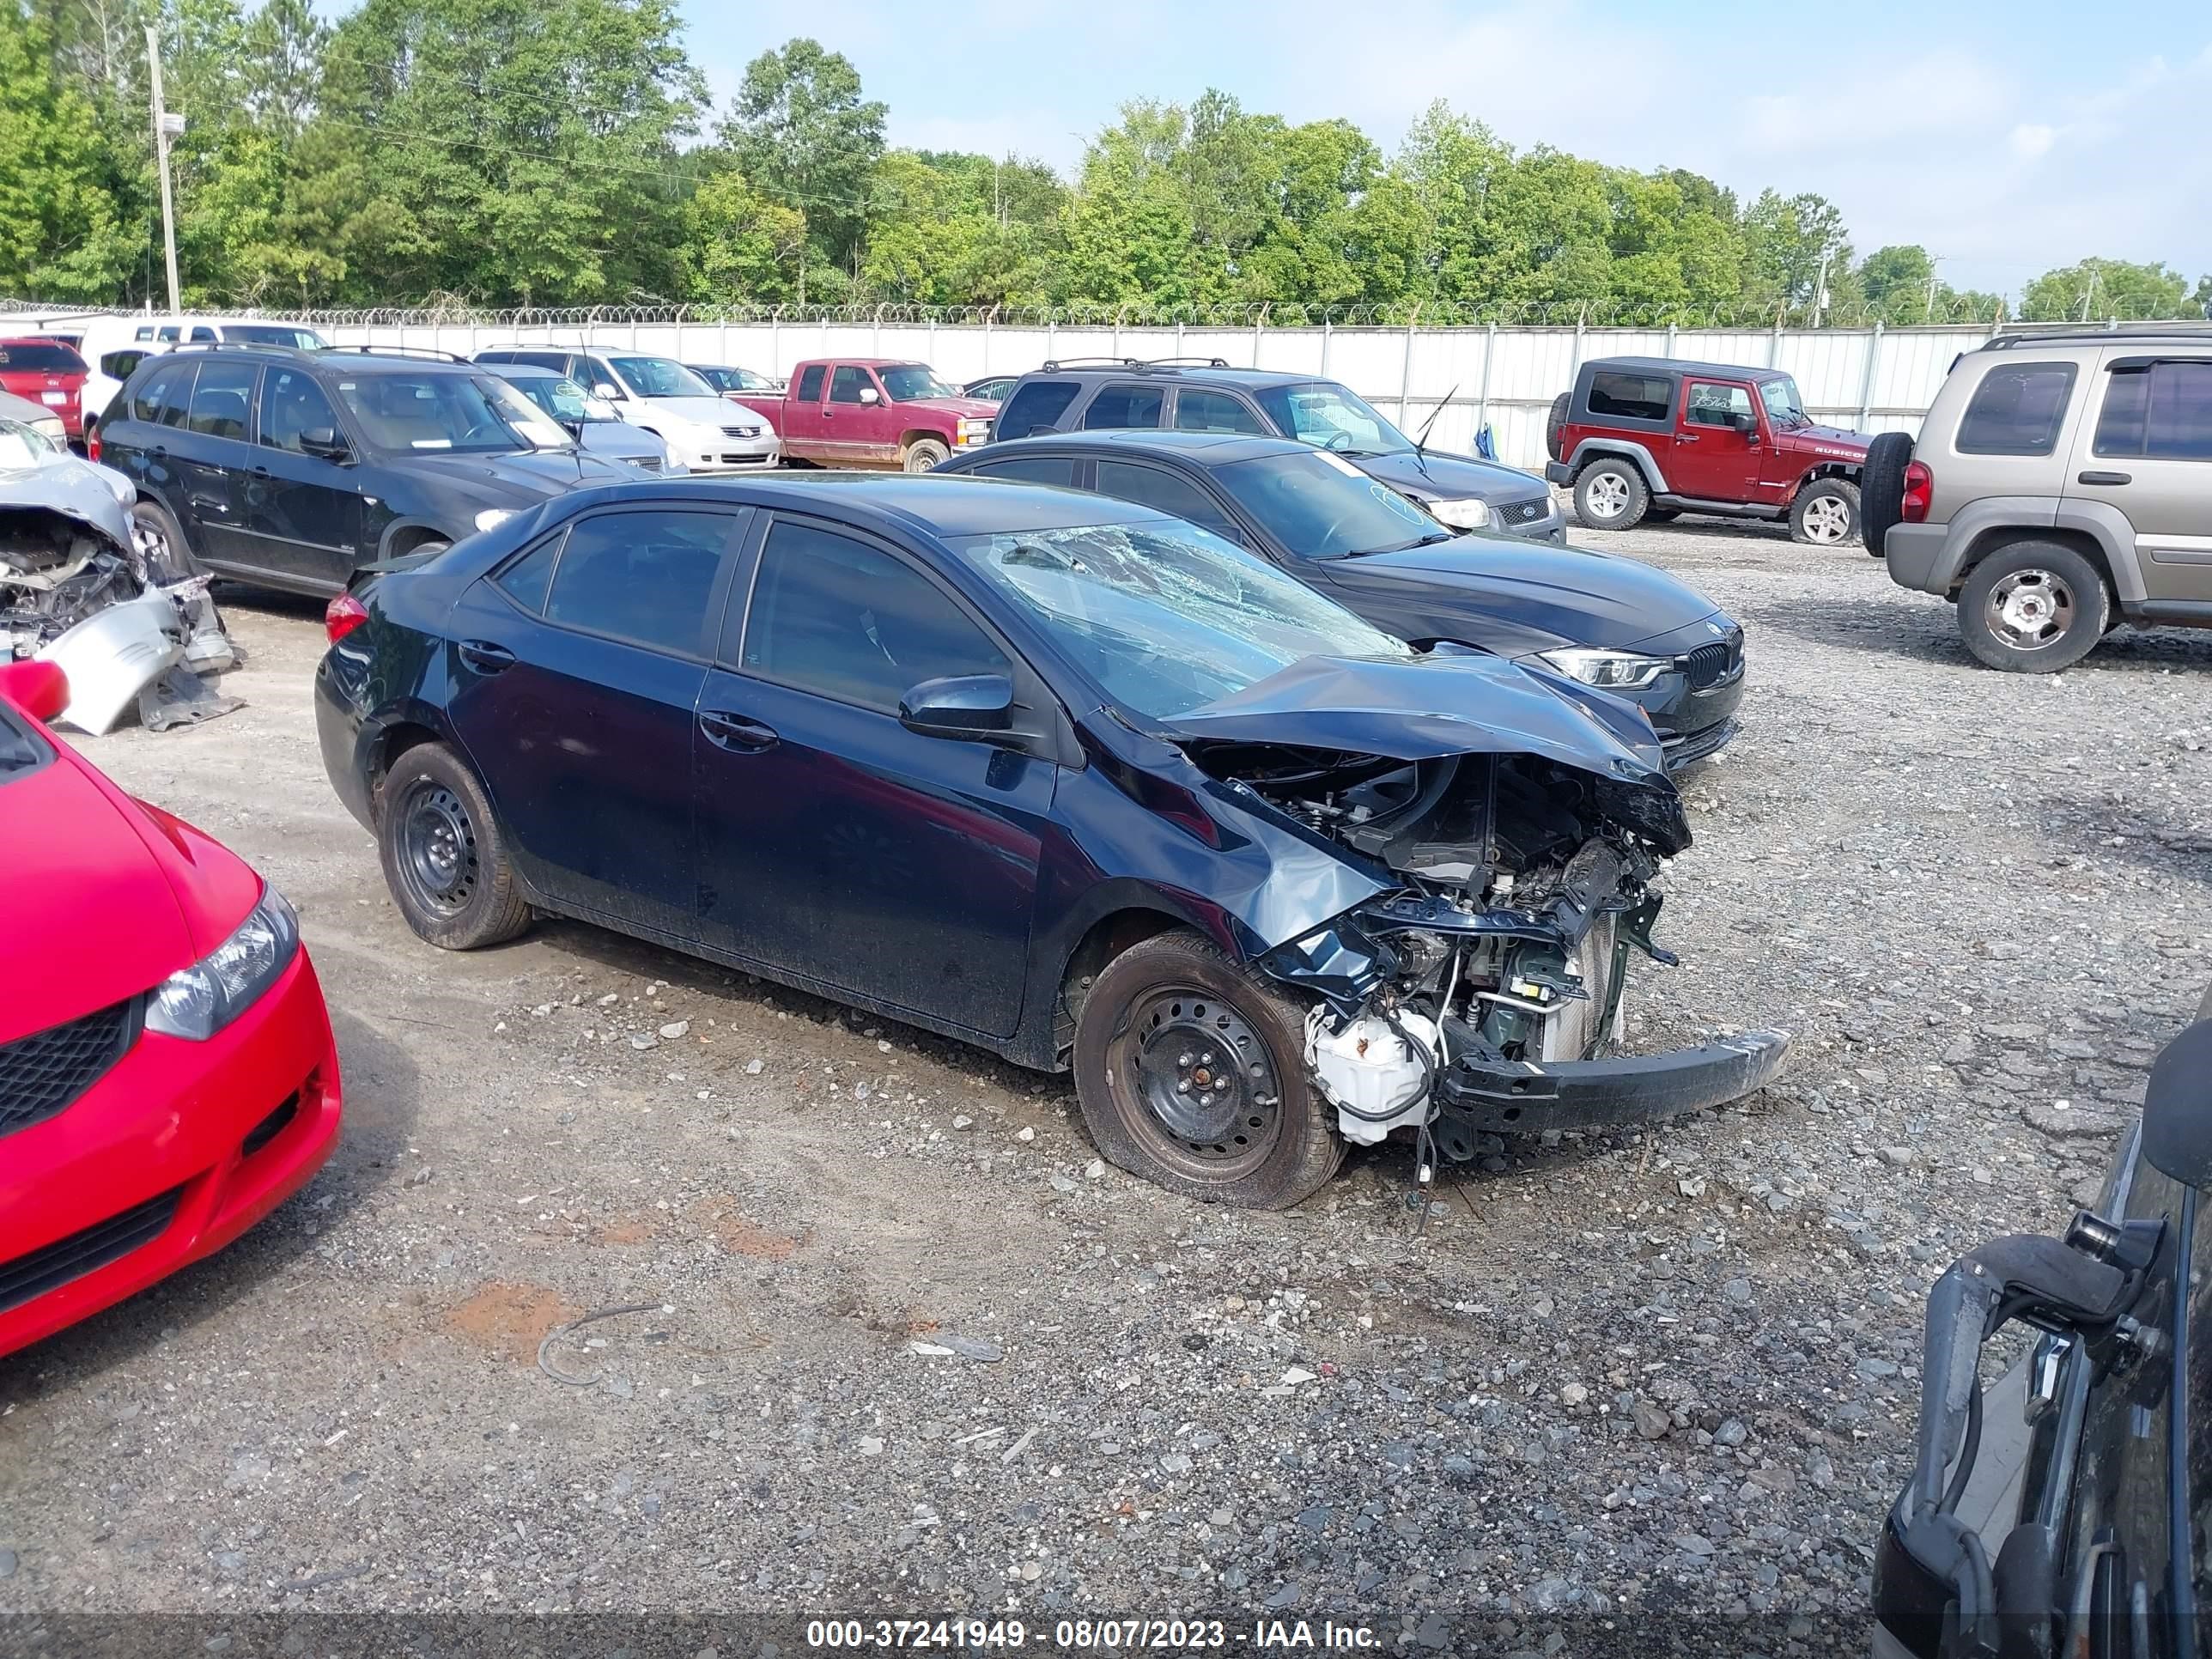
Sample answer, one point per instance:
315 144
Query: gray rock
1651 1422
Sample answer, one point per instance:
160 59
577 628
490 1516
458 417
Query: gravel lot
1653 1388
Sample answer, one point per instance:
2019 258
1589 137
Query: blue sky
2006 138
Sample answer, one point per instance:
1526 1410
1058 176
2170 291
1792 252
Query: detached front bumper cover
1512 1096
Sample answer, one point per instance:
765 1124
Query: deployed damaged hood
1422 707
84 492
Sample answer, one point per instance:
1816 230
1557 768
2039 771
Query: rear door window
162 397
810 383
528 579
1156 487
2017 410
1214 411
1035 406
1122 405
645 576
1623 397
223 399
1032 468
120 365
2158 411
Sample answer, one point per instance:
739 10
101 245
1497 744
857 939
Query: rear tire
1825 513
1882 487
444 854
2034 608
1610 494
1554 423
1255 1132
159 543
922 454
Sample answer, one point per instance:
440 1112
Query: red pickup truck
873 412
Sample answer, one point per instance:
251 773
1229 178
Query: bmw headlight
492 517
1609 670
198 1001
1468 514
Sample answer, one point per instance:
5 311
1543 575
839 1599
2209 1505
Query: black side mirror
1743 419
975 707
2177 1121
324 442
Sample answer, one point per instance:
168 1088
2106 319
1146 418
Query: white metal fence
1502 376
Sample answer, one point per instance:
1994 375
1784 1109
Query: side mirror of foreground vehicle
324 443
978 706
2177 1125
40 689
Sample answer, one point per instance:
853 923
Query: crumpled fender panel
81 491
1422 708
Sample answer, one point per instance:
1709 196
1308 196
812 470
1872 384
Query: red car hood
105 899
1826 440
973 408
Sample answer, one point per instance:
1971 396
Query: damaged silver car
77 588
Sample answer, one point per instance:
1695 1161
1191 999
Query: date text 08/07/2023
1096 1635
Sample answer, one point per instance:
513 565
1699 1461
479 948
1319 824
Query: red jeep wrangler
1653 437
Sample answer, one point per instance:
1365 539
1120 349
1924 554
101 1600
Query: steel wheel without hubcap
1608 495
1204 1082
438 849
2030 609
1827 521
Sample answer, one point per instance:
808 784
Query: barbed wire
456 311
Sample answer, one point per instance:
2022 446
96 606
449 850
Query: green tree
511 151
737 244
2096 289
1797 254
61 236
800 128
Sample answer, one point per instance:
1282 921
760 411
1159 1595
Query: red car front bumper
177 1150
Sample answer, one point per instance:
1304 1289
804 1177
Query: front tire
2034 608
1610 494
1825 513
922 454
444 855
1191 1072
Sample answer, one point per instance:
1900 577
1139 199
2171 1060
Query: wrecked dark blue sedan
1057 776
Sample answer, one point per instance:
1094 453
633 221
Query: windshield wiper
1429 540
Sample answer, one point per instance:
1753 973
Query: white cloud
2032 139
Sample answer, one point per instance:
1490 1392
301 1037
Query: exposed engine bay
1524 884
76 588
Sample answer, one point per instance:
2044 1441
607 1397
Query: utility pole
1928 310
1820 291
164 125
2089 293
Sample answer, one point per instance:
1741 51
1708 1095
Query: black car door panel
303 505
835 845
581 718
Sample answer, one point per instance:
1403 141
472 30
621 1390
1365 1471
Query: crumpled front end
1482 994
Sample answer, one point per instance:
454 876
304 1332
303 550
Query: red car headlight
198 1001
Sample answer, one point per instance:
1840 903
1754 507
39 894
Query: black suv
294 468
1207 395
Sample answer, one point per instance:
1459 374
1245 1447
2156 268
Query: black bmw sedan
1064 777
1611 623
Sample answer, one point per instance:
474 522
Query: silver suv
2061 485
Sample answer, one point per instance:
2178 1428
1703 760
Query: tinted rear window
1119 406
1035 407
1032 468
2161 411
809 384
641 575
40 356
2017 410
1631 396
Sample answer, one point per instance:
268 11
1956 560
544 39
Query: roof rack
428 353
1056 364
2087 333
223 345
1176 362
